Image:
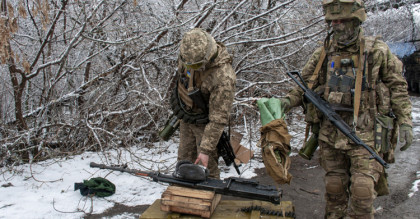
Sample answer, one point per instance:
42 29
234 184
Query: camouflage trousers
349 180
189 147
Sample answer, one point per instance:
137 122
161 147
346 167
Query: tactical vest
183 105
337 79
338 85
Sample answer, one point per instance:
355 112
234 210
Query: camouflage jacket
218 89
385 93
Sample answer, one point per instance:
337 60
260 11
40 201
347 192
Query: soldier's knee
363 193
335 188
334 185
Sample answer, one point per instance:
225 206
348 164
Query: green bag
270 109
96 186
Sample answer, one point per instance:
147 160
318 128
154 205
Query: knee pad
362 187
334 185
362 195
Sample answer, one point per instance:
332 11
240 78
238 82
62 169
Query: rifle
224 149
232 186
335 119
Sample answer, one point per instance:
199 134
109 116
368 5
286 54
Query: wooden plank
195 193
204 214
197 201
190 205
189 201
215 202
225 209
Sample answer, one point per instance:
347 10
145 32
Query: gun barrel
335 119
120 169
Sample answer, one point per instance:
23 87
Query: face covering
346 33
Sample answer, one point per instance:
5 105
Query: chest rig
187 101
341 70
346 79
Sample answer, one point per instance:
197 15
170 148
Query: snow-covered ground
46 189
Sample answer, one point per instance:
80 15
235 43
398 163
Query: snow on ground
46 189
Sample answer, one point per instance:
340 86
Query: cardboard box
242 153
235 140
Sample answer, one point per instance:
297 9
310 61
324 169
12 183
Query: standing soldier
203 97
361 79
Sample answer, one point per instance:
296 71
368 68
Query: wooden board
226 209
189 201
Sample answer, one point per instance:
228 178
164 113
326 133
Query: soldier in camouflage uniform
361 79
204 69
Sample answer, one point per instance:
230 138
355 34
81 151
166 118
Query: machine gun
232 186
335 119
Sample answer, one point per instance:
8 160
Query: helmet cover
344 9
197 47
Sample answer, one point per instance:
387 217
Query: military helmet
344 9
196 49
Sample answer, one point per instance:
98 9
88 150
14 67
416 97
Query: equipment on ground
233 186
97 186
335 119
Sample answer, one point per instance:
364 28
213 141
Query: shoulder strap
358 83
311 83
317 68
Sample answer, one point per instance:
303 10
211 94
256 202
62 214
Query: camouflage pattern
349 171
197 45
189 147
344 9
218 89
347 32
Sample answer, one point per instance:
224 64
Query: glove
406 134
285 104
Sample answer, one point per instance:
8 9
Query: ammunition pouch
184 112
385 137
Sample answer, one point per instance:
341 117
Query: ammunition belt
178 108
268 211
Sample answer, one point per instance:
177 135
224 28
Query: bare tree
94 75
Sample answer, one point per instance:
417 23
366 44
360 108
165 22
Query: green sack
96 186
270 109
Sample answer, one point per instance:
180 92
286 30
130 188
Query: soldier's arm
220 104
295 95
391 75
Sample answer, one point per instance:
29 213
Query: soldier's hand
406 134
204 158
285 104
